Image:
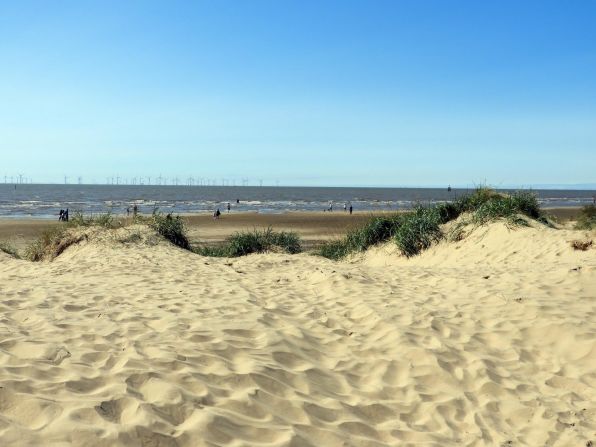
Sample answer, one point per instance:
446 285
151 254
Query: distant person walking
216 214
345 207
61 215
229 207
135 210
351 210
65 215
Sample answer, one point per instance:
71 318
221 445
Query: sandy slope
488 341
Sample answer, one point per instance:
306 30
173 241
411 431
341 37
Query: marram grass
256 241
416 230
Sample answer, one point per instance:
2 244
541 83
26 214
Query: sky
313 93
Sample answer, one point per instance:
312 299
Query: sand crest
487 341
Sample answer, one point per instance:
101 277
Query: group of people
346 208
217 212
135 210
63 216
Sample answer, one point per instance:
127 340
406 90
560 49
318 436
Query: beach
490 340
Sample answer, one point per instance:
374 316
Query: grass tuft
52 243
9 250
101 220
587 218
418 230
256 241
378 229
508 207
170 227
131 238
335 249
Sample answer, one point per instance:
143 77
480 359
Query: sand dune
487 341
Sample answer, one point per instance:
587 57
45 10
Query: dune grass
376 230
105 220
55 240
9 249
416 230
171 228
508 207
52 243
587 218
256 241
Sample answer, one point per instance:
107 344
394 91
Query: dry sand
487 341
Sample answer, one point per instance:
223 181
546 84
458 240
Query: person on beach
60 215
216 214
65 215
350 210
345 207
228 207
135 210
127 211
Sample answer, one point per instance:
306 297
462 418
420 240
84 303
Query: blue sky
370 93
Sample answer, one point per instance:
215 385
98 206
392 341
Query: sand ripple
147 346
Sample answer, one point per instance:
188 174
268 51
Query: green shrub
171 228
587 218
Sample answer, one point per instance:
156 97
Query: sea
45 201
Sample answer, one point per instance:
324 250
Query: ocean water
45 201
